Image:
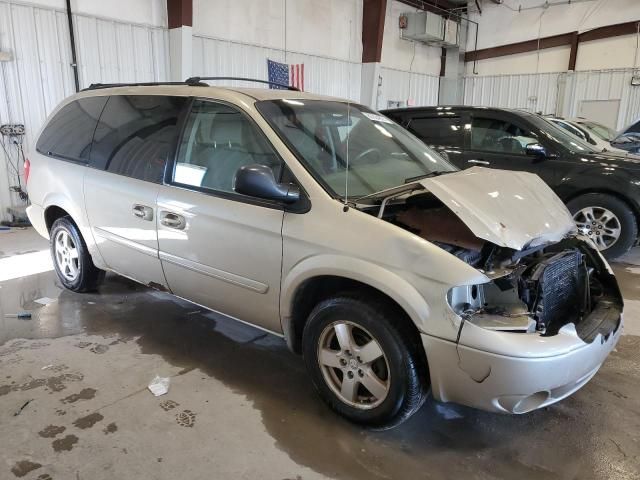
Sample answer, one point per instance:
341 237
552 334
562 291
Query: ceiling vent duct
427 27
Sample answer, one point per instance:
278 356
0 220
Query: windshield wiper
435 173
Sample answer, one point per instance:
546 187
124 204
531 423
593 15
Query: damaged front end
511 227
542 290
548 311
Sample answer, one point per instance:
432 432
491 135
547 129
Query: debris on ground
45 300
159 385
24 315
24 405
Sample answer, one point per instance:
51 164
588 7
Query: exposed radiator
561 283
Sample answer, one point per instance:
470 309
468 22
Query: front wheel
363 361
71 258
606 220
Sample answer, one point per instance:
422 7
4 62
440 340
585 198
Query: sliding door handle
172 220
142 211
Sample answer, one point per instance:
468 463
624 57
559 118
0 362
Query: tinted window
571 129
136 135
218 140
492 135
68 134
442 131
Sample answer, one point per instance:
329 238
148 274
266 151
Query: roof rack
190 82
97 86
193 80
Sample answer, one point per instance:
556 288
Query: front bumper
535 376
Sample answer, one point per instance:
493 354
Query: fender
619 182
368 273
61 201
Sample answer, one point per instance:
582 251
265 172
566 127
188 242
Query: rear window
136 135
68 135
439 131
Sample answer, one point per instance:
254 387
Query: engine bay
534 290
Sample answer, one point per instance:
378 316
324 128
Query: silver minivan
322 221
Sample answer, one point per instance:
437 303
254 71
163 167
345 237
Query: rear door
134 139
442 130
499 141
221 249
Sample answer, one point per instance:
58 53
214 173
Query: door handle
173 220
478 162
143 212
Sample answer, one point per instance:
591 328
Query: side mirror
258 181
536 150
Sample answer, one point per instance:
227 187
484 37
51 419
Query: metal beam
519 47
179 13
573 54
373 15
572 38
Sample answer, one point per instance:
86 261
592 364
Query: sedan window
493 135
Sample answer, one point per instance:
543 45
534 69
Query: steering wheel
366 152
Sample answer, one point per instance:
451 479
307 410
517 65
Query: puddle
441 441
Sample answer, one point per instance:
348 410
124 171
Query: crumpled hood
511 209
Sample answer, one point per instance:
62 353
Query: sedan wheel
66 255
354 365
600 225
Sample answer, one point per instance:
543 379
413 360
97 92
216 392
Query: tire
623 218
401 369
71 258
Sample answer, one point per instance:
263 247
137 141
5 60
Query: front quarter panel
355 245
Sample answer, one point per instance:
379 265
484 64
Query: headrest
221 129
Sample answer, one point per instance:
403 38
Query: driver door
499 142
218 248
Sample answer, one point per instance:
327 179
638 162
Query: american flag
284 74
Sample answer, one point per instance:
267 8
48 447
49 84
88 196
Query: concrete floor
74 402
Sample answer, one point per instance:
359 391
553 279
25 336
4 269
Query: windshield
605 133
557 134
327 136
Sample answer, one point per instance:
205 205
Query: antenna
346 173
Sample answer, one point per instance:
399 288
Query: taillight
27 169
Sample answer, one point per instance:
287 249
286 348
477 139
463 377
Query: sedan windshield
557 134
351 150
605 133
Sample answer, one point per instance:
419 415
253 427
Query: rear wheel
607 220
363 362
71 259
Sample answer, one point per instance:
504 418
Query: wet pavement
74 402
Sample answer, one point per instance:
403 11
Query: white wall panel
40 75
416 89
322 75
604 85
532 92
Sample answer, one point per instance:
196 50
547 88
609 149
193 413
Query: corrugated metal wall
40 75
322 75
556 93
532 92
401 86
603 85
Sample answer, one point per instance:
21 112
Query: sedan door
134 138
218 248
500 142
443 131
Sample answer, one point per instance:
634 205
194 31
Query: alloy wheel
354 365
600 225
66 255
